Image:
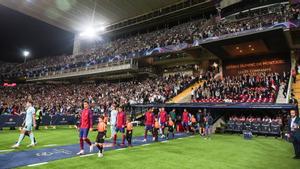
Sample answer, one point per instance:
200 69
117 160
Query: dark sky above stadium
19 32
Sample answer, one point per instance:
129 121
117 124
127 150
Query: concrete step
185 95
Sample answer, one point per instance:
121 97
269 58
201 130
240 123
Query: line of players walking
187 122
154 123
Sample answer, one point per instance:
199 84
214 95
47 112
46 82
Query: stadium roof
263 42
72 15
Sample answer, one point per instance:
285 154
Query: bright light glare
89 32
26 53
102 28
92 32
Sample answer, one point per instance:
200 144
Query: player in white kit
29 124
113 119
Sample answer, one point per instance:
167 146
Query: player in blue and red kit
120 125
149 123
185 120
86 125
163 121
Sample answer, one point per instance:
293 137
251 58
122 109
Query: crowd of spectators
261 87
135 46
67 98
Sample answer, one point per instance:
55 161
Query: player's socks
88 141
145 135
101 149
26 134
115 138
123 139
20 139
98 146
81 143
31 136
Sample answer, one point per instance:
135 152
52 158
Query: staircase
185 95
296 88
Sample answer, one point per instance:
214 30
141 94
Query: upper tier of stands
175 38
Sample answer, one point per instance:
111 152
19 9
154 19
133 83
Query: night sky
19 32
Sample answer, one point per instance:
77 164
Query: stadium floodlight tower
26 53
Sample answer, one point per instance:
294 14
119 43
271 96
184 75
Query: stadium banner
17 121
11 121
253 67
46 120
63 120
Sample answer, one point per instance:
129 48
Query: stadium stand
246 88
183 36
67 98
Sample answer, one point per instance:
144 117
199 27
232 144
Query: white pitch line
145 144
180 138
164 141
6 150
120 149
50 145
86 155
36 164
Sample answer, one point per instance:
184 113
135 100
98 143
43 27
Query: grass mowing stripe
36 164
86 155
145 144
50 145
6 150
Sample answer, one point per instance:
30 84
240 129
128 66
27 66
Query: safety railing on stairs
288 95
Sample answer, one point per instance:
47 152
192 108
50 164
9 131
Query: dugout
224 111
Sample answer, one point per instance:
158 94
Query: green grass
221 152
63 135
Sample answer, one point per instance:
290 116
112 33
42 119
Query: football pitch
221 152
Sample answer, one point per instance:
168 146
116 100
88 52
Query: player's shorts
195 125
149 127
171 129
28 127
83 132
100 137
185 124
120 129
162 124
128 134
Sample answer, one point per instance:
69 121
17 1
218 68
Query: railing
288 95
96 69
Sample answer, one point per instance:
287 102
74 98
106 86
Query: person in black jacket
294 132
